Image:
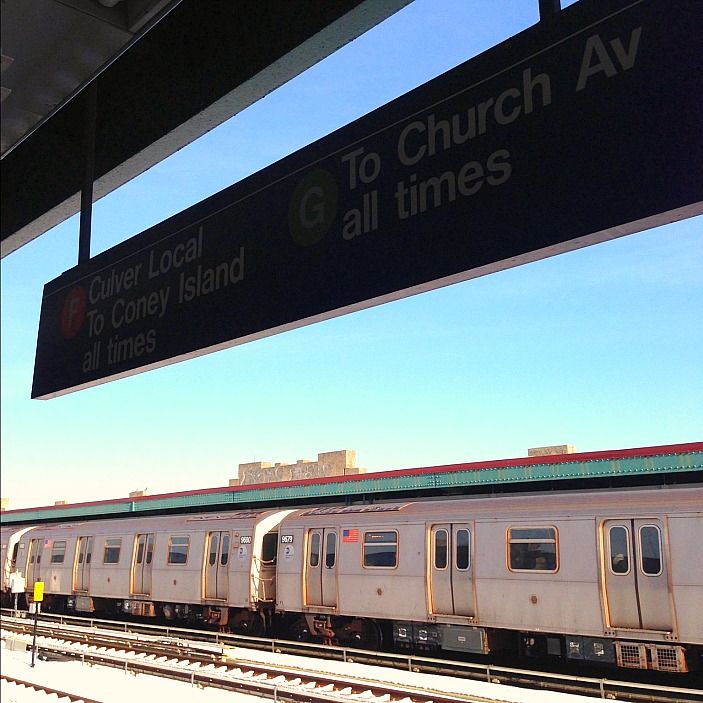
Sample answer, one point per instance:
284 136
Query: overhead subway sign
577 130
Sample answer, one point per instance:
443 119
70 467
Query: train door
36 548
321 568
636 568
217 565
450 570
81 567
142 564
267 567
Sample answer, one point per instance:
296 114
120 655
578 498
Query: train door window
178 550
140 550
463 550
81 550
214 543
269 548
58 551
89 550
441 541
35 550
315 549
149 548
15 549
224 553
380 550
619 541
331 550
111 553
532 549
650 550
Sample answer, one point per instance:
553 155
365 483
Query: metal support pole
34 636
91 96
547 8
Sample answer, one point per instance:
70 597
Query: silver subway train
606 576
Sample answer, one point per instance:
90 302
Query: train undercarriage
364 633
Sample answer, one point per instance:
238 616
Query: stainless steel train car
606 576
218 569
610 576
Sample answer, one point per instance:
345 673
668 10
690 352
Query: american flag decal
350 535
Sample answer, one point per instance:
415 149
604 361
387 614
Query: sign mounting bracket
91 108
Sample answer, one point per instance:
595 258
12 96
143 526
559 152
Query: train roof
657 465
634 501
237 519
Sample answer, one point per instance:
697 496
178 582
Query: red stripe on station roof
605 455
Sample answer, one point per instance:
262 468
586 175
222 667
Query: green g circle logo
313 207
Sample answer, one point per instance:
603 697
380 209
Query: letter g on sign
313 207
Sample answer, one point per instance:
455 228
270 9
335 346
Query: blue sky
599 348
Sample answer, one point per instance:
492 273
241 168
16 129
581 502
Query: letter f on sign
73 312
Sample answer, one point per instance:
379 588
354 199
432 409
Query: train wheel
247 623
299 630
360 633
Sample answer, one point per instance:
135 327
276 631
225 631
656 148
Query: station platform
657 465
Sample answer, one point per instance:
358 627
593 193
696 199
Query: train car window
380 550
463 550
58 551
81 551
178 550
315 549
269 548
441 541
331 550
224 553
14 554
532 549
619 539
214 541
651 550
140 550
111 554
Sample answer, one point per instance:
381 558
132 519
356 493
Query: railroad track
281 683
219 664
198 666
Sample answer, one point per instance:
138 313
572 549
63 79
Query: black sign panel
582 128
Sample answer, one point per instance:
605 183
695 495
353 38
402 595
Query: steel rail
73 697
